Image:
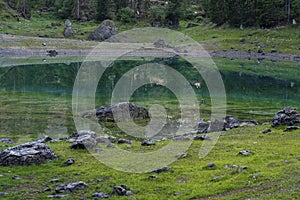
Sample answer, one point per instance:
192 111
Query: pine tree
103 10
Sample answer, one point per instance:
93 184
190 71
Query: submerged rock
119 112
26 154
288 116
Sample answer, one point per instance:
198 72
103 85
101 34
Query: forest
235 13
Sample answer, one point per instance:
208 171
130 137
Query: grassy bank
272 171
41 28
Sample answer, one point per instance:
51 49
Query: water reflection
36 99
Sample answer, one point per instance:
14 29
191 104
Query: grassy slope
284 40
275 159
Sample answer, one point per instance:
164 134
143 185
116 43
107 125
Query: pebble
70 161
245 153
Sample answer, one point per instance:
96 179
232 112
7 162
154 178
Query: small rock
100 195
106 139
7 140
120 190
260 51
267 131
148 143
287 161
152 176
16 177
177 193
180 138
291 128
60 189
68 23
210 166
243 40
202 126
56 140
44 44
3 193
47 189
3 185
124 141
70 161
52 53
54 180
162 169
245 153
273 51
58 196
75 186
128 193
110 145
43 139
230 166
181 155
201 137
249 123
255 176
240 169
217 178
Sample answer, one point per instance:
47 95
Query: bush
126 15
157 15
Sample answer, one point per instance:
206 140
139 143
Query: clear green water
37 99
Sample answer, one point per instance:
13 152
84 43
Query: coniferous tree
103 10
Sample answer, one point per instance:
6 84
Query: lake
36 100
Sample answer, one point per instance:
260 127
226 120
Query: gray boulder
230 122
26 154
83 140
106 30
68 31
288 116
117 112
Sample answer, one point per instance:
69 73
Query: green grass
276 178
283 39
